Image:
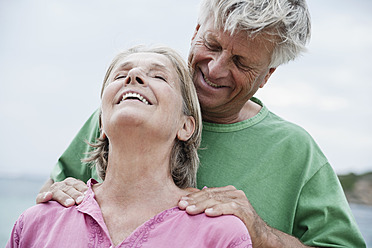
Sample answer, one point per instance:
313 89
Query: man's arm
62 186
229 200
323 217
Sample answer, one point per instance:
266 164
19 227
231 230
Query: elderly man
290 196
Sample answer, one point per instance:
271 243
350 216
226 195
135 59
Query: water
17 194
363 216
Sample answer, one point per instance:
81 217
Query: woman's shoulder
45 212
227 224
217 231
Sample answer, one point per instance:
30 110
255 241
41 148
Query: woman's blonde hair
184 157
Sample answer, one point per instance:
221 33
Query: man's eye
241 65
211 47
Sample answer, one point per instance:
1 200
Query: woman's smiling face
143 88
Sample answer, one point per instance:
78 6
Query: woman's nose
134 76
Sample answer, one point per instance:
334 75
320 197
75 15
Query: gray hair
287 21
184 159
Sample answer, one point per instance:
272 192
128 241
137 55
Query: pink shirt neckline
90 207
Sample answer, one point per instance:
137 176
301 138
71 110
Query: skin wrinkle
231 104
229 48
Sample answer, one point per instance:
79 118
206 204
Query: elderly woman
290 195
147 158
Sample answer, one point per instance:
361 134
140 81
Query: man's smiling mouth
136 96
210 83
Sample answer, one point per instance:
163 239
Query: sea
19 193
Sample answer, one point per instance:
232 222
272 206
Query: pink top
52 225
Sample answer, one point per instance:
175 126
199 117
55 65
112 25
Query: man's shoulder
280 125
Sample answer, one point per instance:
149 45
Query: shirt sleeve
324 218
15 236
69 164
229 232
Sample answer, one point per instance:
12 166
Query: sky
54 54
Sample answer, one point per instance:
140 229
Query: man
290 196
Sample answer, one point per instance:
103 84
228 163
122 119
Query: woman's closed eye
160 77
121 76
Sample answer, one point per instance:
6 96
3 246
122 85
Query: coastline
357 188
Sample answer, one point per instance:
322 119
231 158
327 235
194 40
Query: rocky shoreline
358 188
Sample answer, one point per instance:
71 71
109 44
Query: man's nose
219 66
134 76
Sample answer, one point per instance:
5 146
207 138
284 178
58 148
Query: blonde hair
286 21
184 157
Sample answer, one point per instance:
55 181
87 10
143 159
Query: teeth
135 95
210 83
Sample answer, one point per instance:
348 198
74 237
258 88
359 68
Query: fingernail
79 199
69 202
183 203
209 210
45 195
192 207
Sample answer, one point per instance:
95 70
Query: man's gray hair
286 21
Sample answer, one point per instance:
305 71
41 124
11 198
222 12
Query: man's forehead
244 44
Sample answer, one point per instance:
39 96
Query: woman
147 158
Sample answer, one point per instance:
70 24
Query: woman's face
143 91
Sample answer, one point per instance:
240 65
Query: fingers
63 198
222 209
44 197
67 193
213 201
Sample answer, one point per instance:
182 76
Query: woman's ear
187 130
103 134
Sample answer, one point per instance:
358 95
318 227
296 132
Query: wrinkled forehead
254 48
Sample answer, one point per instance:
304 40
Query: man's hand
68 192
229 200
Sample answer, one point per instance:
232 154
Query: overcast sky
53 56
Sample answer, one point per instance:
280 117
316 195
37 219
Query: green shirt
282 171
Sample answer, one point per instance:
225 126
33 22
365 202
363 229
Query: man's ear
188 128
195 32
267 76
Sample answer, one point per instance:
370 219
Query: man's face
227 70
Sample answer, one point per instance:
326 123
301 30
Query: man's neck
249 110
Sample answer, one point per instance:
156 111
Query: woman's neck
137 175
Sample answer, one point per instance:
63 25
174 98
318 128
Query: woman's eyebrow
153 66
123 66
158 66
